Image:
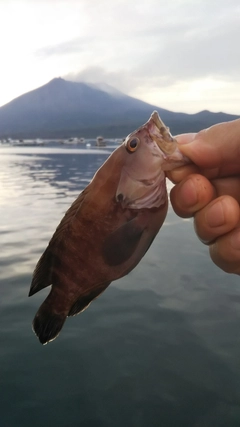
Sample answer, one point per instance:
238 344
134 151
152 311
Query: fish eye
132 144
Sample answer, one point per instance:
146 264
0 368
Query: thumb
216 146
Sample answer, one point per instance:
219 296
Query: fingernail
188 193
215 215
235 240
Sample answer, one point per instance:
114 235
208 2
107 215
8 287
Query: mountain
63 108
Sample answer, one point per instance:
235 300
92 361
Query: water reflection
65 170
159 348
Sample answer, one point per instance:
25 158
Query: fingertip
235 240
216 219
191 195
225 252
185 138
197 148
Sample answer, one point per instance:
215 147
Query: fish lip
166 143
161 134
156 119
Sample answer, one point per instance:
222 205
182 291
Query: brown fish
108 228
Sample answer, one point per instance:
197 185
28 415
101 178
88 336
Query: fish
108 228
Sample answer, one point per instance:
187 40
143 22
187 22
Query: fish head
149 152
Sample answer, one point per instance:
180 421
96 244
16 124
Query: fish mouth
161 134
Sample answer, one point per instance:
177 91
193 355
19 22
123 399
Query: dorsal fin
42 273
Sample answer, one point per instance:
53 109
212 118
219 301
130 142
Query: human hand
209 190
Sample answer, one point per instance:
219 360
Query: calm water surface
159 348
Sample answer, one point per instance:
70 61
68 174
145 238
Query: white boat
100 141
71 141
39 141
27 142
119 140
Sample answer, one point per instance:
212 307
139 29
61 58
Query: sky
182 55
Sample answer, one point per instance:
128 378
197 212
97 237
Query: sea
159 348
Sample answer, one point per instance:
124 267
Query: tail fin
47 326
48 323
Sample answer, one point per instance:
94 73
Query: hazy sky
182 55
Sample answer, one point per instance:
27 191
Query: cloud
157 44
138 47
99 75
210 50
74 46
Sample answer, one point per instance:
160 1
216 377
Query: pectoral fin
121 244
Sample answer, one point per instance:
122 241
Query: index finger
215 147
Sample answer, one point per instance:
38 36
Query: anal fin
84 301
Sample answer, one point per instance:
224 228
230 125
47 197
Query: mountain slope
62 108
